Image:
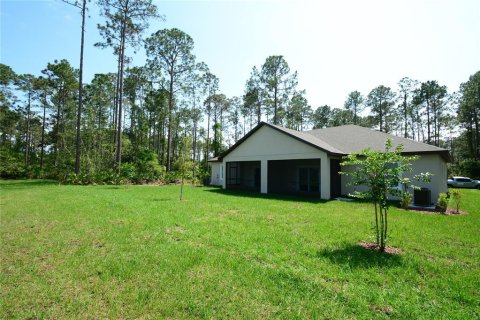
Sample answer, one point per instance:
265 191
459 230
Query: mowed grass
138 252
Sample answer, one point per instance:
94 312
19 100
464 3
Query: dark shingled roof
348 139
352 138
311 139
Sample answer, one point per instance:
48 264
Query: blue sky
336 46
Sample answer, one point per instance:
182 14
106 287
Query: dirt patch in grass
453 212
375 247
449 212
388 310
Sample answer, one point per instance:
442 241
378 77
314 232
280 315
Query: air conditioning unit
422 197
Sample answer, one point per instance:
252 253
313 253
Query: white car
463 182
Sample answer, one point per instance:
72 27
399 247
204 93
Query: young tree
171 51
381 173
354 103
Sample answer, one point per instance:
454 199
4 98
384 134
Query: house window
221 171
309 179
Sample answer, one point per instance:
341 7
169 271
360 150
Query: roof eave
261 124
445 154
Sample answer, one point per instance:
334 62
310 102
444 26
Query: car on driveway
463 182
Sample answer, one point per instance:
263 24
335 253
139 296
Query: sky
336 46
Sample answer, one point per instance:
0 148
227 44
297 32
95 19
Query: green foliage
147 167
278 86
443 201
381 100
469 168
456 197
405 200
469 114
355 104
11 165
382 173
127 171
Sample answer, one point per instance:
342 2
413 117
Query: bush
127 171
11 166
443 201
405 200
147 167
172 177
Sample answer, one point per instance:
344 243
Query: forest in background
161 121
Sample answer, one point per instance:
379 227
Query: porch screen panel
233 173
314 177
303 179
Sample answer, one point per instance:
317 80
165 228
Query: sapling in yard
456 196
382 173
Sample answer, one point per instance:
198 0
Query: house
273 159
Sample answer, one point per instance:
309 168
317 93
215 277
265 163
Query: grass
138 252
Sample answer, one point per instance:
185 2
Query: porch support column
324 177
264 176
223 174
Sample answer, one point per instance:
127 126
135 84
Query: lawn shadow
161 199
21 184
257 195
356 256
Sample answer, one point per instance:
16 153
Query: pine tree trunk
118 154
382 228
43 132
377 233
170 110
275 106
208 133
27 135
80 93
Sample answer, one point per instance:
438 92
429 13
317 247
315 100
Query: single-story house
273 159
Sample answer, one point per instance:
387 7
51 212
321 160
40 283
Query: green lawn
138 252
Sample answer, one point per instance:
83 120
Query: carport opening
243 175
298 177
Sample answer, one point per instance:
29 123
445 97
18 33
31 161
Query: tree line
163 120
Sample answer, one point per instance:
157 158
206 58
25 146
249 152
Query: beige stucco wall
432 163
437 166
216 178
270 144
